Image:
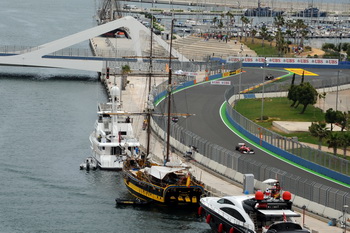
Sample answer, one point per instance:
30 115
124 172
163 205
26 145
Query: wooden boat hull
171 194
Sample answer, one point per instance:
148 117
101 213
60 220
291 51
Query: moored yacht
113 138
249 213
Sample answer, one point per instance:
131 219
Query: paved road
205 100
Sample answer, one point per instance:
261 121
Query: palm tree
321 96
215 20
270 38
289 24
253 33
264 34
334 141
280 44
345 141
230 22
125 71
320 131
330 117
303 34
299 26
245 21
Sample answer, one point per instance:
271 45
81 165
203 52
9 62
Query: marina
80 196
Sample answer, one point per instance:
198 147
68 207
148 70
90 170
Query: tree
345 141
330 117
293 94
280 43
215 20
125 71
347 120
289 32
293 79
253 33
264 34
230 22
321 96
302 77
307 94
334 141
299 27
340 119
245 21
320 131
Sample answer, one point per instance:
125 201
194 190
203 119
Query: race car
269 77
244 149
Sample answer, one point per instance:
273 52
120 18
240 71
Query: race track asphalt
205 100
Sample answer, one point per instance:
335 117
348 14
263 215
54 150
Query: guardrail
321 199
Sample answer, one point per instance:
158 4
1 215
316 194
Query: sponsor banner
217 82
284 60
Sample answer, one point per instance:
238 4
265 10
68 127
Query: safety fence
231 164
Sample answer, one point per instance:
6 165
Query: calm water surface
46 117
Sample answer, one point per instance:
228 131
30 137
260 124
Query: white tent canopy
160 171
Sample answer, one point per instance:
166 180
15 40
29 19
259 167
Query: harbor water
46 118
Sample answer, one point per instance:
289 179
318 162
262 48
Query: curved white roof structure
36 58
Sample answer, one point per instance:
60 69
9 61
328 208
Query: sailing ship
113 140
168 183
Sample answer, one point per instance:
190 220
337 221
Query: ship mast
169 94
150 100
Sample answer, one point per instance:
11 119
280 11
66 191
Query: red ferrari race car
244 149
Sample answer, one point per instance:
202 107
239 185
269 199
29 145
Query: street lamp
336 98
303 207
263 90
344 216
240 74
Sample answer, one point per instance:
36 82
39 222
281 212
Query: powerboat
113 138
251 213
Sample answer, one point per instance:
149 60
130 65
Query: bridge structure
43 55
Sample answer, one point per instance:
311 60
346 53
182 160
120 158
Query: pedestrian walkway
134 99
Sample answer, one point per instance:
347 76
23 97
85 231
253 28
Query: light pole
240 75
344 216
336 98
303 207
263 90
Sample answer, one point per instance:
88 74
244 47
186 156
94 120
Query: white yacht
113 138
260 213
